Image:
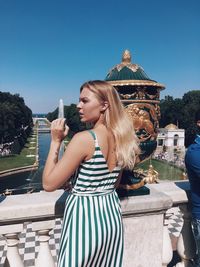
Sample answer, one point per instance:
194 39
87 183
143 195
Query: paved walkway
29 245
174 221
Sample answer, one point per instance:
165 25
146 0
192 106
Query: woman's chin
85 120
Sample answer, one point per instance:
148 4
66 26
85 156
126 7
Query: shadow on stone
60 204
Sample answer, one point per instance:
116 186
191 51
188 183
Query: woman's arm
57 172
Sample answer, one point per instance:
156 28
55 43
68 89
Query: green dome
126 70
127 73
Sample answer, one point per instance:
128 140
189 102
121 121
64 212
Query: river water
23 182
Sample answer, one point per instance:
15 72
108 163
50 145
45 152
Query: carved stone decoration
140 96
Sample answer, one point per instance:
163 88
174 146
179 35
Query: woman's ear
105 105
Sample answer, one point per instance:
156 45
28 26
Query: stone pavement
29 245
174 221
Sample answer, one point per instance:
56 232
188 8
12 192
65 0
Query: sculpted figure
151 176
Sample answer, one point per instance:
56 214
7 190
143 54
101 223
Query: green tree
72 119
191 102
181 112
171 111
15 118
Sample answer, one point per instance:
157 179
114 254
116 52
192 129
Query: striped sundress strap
92 134
94 137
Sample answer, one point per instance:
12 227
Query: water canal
23 182
31 179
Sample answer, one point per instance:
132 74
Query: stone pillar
186 244
143 241
13 258
11 232
44 256
143 229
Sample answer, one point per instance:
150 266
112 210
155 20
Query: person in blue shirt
192 163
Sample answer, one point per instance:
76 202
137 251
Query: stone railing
147 241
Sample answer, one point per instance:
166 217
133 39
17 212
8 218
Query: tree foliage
15 117
181 112
72 119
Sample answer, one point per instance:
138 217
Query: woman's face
89 106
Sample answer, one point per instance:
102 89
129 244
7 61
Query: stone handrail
143 220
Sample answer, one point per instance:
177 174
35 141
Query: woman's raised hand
59 130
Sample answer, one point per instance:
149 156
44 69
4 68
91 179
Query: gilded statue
151 175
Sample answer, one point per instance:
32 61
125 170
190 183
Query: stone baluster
186 244
13 258
44 257
167 252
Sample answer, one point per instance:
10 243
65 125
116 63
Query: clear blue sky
49 48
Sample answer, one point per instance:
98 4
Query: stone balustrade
147 241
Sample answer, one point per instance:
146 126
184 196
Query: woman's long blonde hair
117 121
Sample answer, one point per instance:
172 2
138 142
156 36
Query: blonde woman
92 232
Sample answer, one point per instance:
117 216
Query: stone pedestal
143 229
143 240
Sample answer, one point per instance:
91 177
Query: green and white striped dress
92 232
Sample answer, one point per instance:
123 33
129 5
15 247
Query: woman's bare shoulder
80 146
84 138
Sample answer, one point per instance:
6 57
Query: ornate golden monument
140 95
